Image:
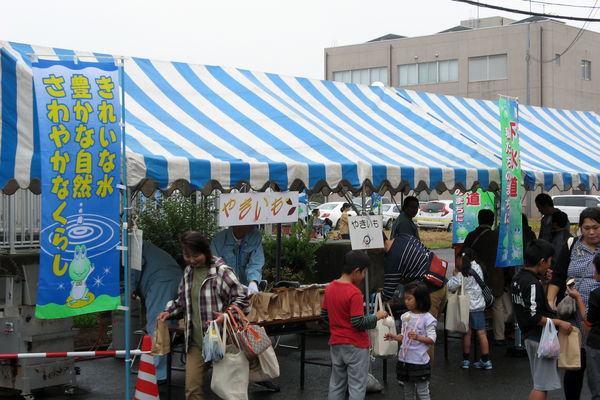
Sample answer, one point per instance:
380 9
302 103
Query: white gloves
252 288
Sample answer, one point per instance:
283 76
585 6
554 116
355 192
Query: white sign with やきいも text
365 232
257 208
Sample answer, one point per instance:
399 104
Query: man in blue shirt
241 248
157 284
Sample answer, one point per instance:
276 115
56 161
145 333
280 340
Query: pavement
104 378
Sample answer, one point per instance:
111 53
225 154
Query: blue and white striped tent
203 127
558 147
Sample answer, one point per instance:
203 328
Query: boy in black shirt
532 311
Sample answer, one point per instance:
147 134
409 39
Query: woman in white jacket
466 266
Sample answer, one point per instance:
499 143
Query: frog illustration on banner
79 270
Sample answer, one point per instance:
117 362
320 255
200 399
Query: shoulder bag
253 339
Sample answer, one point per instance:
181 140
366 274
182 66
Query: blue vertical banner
78 115
510 242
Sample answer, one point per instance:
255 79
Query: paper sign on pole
365 232
257 208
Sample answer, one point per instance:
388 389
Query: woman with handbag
575 262
466 267
208 289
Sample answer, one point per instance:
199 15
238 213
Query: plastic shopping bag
213 347
549 345
379 346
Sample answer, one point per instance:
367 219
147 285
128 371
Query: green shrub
85 320
164 219
298 254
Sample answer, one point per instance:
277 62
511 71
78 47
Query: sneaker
483 365
268 386
465 364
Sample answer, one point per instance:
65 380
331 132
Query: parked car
333 211
389 212
358 202
574 204
435 214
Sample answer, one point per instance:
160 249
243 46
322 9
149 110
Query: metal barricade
20 220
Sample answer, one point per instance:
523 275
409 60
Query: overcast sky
278 36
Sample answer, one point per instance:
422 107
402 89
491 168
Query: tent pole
278 254
125 238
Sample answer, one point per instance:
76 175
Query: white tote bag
379 346
457 310
264 367
230 376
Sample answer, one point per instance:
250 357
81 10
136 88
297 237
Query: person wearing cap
343 309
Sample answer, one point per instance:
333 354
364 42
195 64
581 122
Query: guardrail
20 221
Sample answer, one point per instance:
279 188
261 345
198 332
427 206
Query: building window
362 76
586 70
428 72
487 68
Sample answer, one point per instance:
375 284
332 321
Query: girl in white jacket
466 266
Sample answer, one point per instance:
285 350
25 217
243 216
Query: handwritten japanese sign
510 242
466 209
257 208
78 114
365 232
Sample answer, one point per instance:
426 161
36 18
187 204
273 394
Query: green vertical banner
466 210
510 243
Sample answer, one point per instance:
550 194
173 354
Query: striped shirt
406 260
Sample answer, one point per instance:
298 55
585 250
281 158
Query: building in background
541 61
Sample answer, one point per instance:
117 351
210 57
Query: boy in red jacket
343 308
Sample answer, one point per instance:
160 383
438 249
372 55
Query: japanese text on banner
257 208
78 117
510 243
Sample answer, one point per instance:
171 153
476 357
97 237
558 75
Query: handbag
230 376
253 339
457 310
566 308
549 346
488 296
264 367
379 346
570 350
436 275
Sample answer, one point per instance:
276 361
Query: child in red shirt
343 308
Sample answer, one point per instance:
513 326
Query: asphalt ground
104 378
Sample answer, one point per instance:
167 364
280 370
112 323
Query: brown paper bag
295 299
570 349
259 307
161 342
279 307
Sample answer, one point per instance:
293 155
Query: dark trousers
574 380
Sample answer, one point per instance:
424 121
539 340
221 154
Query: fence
20 220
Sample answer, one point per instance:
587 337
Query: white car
389 212
333 211
435 214
574 204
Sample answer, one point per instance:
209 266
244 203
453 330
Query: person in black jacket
532 312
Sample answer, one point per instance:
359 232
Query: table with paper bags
282 304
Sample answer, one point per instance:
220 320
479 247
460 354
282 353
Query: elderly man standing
404 222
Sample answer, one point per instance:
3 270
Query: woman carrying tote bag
207 290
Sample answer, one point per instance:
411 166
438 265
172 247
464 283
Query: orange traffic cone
146 387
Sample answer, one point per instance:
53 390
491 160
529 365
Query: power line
514 10
547 3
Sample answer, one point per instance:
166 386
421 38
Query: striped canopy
558 147
197 127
